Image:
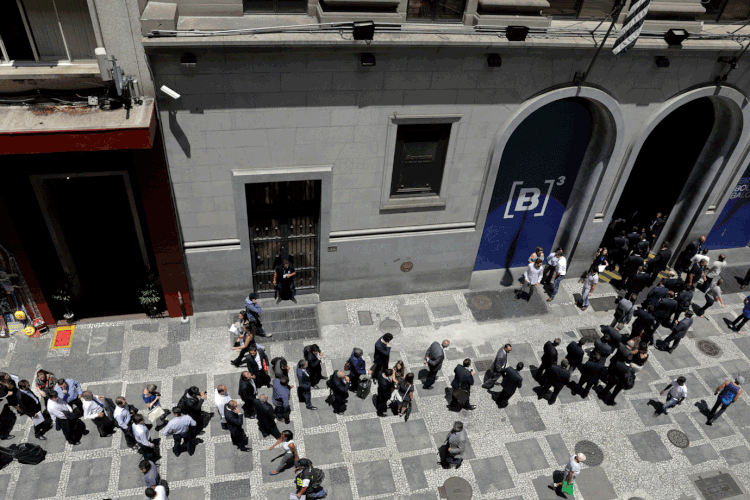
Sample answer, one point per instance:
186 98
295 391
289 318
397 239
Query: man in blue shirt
743 318
253 314
305 384
357 368
182 428
70 392
281 398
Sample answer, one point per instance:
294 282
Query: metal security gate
283 223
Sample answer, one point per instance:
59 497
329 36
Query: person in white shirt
589 285
157 493
560 269
122 417
549 269
143 438
531 278
64 418
93 410
714 271
571 470
221 398
676 395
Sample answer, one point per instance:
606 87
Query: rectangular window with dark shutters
420 159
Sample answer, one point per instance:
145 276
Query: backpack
629 382
316 481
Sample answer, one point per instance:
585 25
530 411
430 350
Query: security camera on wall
171 93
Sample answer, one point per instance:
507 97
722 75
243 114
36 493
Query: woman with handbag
156 414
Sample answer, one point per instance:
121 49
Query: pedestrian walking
143 437
532 276
433 358
624 310
684 300
643 247
247 392
235 425
619 250
382 353
304 385
308 481
549 358
603 346
630 269
281 393
696 272
123 419
655 227
601 259
560 269
644 325
512 380
290 457
266 417
728 393
714 271
253 314
283 282
679 330
655 295
357 368
244 336
158 492
385 389
557 377
660 261
743 318
575 354
182 429
454 447
572 469
551 267
462 381
676 395
622 377
340 387
639 282
665 308
150 474
152 398
221 398
498 366
589 285
713 294
314 357
683 261
258 365
591 373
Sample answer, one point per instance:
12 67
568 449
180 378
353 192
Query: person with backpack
290 456
728 393
676 395
357 367
309 481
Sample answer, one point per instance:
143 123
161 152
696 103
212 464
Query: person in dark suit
385 389
683 262
654 229
655 295
643 247
382 353
639 282
591 372
644 325
557 377
304 384
621 372
673 283
498 366
621 354
247 393
433 358
549 358
30 405
266 417
257 364
463 379
619 249
313 357
660 261
340 388
630 269
191 404
234 419
679 330
603 346
615 338
633 237
696 272
684 301
357 368
665 308
575 354
512 380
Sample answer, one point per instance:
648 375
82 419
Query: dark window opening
725 11
275 6
420 159
435 10
13 34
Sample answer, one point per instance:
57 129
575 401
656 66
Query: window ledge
42 71
413 202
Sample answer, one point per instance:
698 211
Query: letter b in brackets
528 198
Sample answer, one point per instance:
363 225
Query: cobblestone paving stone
512 453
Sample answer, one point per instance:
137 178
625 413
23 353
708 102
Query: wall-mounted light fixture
367 59
675 37
189 60
516 33
363 30
661 62
494 60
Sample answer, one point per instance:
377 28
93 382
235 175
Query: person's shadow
557 477
729 323
703 407
658 406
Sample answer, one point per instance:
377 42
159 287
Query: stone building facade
269 109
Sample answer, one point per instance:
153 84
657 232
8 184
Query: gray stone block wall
242 109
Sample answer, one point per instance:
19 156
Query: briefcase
461 395
363 390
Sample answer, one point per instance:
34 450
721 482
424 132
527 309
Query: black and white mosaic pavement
512 453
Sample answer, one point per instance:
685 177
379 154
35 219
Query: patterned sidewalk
512 452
